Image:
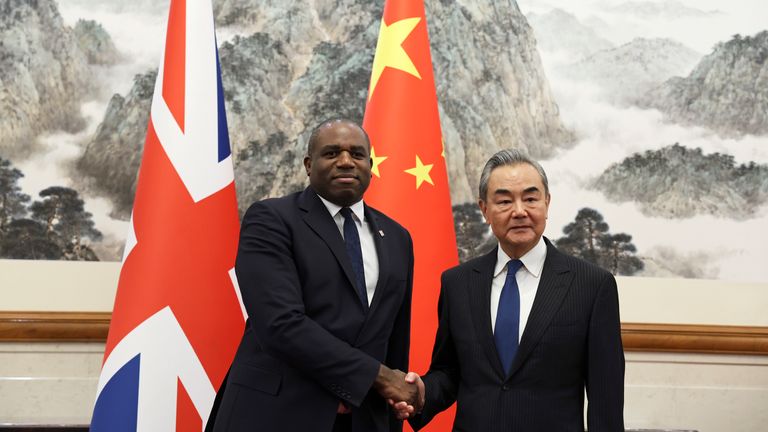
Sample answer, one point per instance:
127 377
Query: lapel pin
381 233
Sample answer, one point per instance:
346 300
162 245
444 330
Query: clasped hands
404 392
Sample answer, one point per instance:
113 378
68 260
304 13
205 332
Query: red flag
410 181
177 319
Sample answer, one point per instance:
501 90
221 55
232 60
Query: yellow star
421 172
389 50
376 161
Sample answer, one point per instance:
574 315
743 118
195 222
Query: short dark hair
509 157
316 131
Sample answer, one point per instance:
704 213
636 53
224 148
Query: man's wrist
382 378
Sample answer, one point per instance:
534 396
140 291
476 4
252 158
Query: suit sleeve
272 295
605 362
442 380
399 340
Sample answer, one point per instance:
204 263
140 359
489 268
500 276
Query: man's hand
403 410
392 385
343 409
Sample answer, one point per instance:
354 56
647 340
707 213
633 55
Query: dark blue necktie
508 317
355 252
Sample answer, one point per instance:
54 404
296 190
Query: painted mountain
726 92
628 72
679 182
560 31
46 72
300 61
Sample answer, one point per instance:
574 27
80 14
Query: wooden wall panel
712 339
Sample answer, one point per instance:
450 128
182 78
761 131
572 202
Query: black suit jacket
308 344
572 341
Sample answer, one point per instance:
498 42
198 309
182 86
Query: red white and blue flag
177 318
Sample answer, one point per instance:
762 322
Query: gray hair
509 157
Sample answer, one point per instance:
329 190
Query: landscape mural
650 117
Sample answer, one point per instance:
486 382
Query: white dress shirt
370 257
527 281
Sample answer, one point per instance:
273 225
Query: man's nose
345 159
518 210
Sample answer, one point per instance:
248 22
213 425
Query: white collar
357 208
533 260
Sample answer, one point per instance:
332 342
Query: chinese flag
410 181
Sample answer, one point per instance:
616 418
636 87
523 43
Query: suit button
505 387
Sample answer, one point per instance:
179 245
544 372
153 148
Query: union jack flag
178 317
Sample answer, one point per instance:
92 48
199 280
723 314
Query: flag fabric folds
177 317
410 181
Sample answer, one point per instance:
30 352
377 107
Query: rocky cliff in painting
678 182
45 73
627 73
300 61
113 155
96 43
727 91
559 31
491 86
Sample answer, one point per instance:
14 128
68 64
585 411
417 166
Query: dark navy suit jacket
572 341
308 343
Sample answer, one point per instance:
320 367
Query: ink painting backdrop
669 104
650 117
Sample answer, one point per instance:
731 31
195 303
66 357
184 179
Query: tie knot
513 266
346 212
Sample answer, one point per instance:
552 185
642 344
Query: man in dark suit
525 329
326 281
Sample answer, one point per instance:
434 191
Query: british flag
178 317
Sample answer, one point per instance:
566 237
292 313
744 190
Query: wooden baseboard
54 326
710 339
685 338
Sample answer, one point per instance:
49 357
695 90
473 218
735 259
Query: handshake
404 392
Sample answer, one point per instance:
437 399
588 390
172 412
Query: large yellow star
376 161
390 52
421 172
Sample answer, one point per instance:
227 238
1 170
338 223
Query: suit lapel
553 286
480 282
382 253
319 219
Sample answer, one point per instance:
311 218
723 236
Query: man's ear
483 208
307 164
